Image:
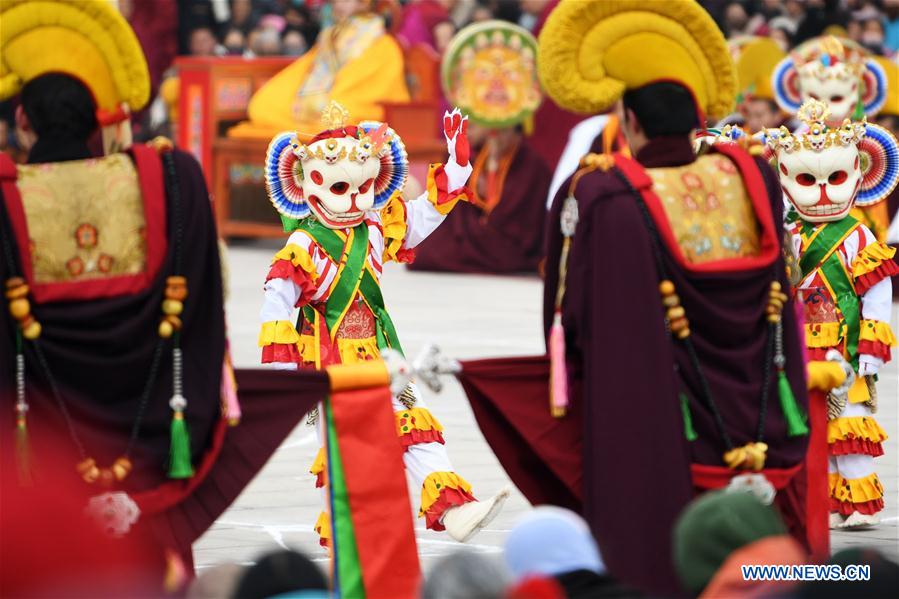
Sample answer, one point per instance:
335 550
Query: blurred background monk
489 71
354 62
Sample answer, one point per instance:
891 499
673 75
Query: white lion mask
819 170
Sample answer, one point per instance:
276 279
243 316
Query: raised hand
455 129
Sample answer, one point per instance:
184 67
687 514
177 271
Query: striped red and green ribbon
373 537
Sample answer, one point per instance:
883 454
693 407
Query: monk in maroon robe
500 229
99 352
627 371
641 438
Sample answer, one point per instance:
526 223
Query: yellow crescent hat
592 51
755 59
891 69
88 40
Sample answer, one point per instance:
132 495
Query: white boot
464 521
836 520
858 520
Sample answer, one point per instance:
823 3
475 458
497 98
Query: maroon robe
636 458
99 350
508 240
620 454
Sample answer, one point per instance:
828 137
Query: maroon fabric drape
273 403
541 454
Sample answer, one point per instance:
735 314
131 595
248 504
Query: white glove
868 365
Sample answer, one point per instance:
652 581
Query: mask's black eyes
837 177
340 188
805 179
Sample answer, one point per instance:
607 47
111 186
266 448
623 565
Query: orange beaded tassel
172 305
674 312
20 308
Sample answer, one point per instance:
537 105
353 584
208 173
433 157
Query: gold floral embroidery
85 219
708 208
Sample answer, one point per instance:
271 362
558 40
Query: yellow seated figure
355 63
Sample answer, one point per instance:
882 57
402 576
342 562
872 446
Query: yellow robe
372 73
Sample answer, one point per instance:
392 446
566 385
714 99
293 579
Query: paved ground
469 317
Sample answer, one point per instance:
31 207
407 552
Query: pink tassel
558 373
230 405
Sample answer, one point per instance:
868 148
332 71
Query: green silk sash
353 275
821 255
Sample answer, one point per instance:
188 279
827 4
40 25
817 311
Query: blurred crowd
874 24
289 27
550 554
260 28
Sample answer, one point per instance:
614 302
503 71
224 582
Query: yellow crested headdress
592 51
891 71
89 40
755 58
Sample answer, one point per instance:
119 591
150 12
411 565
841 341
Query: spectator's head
235 42
480 13
240 12
344 9
550 541
57 107
735 17
265 42
715 525
216 582
772 6
275 22
278 573
761 113
465 574
657 109
293 43
873 35
854 31
296 16
781 29
794 9
202 42
533 7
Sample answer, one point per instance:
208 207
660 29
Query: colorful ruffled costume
333 276
848 300
845 284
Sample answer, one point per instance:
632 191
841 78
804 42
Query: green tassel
796 425
179 454
23 453
689 431
859 112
